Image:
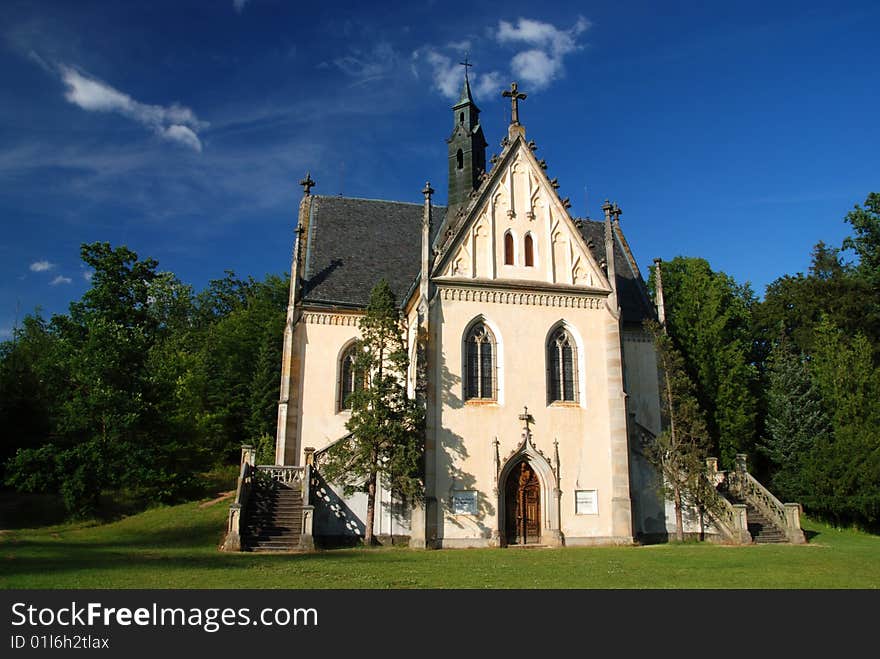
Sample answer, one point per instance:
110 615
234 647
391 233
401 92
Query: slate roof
632 295
353 243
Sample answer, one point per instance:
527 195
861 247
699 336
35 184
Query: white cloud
87 275
60 280
41 266
238 5
447 76
174 122
488 84
542 61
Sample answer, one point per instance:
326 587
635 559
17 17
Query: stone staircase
273 518
762 529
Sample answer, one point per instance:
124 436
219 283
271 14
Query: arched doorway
522 492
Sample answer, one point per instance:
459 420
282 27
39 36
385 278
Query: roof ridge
383 201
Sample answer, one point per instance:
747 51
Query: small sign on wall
464 502
586 502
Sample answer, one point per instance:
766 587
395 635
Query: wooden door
523 506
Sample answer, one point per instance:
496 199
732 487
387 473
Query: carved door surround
528 498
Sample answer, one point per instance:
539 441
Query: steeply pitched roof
631 293
353 243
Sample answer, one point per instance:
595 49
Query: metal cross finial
428 191
307 184
526 418
466 66
515 97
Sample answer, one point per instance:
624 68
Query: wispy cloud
546 47
87 275
446 73
175 123
366 66
41 266
5 333
238 5
60 279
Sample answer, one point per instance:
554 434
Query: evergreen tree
796 421
387 427
679 452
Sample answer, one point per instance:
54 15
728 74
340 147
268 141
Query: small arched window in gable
561 367
529 251
479 364
461 118
349 378
459 159
508 248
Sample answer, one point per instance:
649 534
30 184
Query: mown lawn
176 547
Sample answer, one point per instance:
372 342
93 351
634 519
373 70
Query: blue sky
739 132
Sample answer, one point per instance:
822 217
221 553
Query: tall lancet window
479 363
529 251
349 382
508 248
561 367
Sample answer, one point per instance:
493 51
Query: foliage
709 320
386 425
142 386
844 470
679 452
796 422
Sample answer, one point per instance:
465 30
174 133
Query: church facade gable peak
515 227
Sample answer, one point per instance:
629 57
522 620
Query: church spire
466 146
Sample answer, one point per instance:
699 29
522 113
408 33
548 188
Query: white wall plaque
586 502
464 502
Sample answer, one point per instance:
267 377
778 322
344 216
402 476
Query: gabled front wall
466 431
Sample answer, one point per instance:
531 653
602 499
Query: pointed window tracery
561 367
349 378
480 363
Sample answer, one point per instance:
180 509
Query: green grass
176 547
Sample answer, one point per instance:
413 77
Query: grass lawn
176 547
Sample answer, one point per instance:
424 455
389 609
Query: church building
524 326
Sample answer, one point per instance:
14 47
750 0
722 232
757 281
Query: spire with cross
515 97
467 65
307 184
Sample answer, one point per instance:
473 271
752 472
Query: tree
709 319
796 421
844 469
387 437
679 452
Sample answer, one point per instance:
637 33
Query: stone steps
762 529
273 519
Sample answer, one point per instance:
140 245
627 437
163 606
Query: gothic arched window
561 367
349 380
508 248
459 159
479 366
529 251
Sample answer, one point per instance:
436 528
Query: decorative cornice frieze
467 294
319 318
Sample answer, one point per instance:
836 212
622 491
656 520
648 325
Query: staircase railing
785 515
731 518
294 477
244 485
